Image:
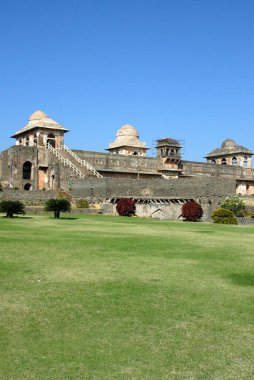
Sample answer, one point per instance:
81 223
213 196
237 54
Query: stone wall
28 197
207 169
181 187
115 161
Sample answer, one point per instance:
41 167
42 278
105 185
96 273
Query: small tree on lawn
126 207
58 206
192 211
12 207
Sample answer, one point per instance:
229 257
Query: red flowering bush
192 211
125 207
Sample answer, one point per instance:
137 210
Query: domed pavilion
230 153
39 131
127 142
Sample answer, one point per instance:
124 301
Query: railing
81 162
65 161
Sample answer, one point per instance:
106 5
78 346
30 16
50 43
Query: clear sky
171 68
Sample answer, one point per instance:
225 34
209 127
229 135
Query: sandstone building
41 161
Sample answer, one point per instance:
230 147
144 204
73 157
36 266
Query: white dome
127 130
229 143
37 115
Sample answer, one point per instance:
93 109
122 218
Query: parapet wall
116 161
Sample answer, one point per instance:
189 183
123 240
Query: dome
127 130
127 136
229 143
38 115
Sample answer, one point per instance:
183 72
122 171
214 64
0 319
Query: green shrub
192 211
234 204
223 216
12 207
64 195
57 206
82 203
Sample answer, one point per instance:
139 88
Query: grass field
122 298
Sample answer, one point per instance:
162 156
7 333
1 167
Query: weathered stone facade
41 161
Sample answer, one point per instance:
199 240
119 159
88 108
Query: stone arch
52 179
213 161
223 161
28 186
27 170
234 161
51 139
245 162
35 139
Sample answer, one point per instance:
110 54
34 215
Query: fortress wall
12 166
28 197
180 187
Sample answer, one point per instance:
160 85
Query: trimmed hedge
224 216
82 203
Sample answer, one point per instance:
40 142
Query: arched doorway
234 161
27 170
245 162
35 140
28 186
51 140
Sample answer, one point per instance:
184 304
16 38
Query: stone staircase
68 158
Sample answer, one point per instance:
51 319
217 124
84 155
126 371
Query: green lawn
101 297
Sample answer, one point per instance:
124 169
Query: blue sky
177 68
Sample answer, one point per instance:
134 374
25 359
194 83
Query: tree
126 207
192 211
12 207
234 204
57 206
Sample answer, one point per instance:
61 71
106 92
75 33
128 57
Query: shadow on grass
64 218
204 232
17 217
244 279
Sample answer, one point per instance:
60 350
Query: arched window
245 162
51 140
213 161
52 179
135 153
28 186
27 170
224 161
172 152
234 161
167 151
35 140
27 140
